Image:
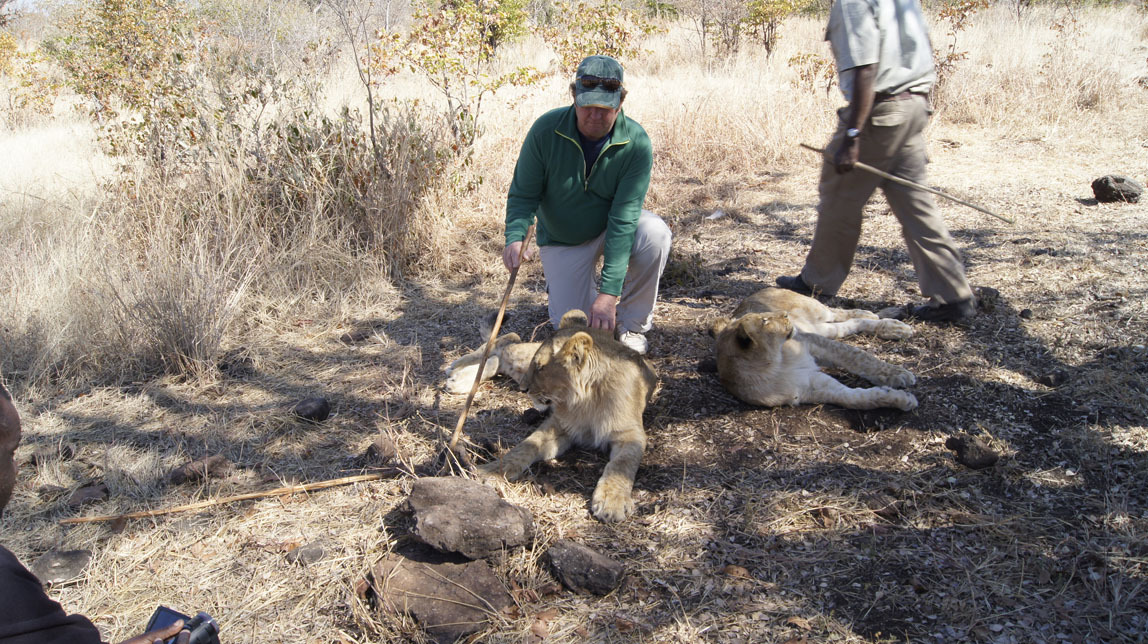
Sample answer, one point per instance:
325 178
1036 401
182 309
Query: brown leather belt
881 97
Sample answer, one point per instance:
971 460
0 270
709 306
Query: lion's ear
743 337
572 318
577 348
718 326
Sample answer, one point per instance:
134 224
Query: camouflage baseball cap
598 82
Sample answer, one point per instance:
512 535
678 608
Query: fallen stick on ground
913 184
290 489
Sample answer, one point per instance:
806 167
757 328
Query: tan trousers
571 275
892 141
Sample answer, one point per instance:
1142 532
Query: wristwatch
852 133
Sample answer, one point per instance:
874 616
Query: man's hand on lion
511 252
603 312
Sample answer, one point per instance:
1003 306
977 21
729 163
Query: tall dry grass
1037 74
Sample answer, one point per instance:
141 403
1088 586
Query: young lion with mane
597 389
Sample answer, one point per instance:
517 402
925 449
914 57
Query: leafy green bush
584 28
766 16
28 90
452 47
132 60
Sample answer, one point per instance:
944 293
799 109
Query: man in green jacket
583 172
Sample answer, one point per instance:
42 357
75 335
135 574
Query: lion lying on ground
769 353
811 316
597 389
509 356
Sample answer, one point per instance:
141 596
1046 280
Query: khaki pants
892 141
571 275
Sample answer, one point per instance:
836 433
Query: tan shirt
889 33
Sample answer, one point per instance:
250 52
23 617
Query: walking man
885 65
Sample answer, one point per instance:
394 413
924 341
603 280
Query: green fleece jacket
573 206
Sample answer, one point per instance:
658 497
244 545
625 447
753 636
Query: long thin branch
290 489
913 184
365 79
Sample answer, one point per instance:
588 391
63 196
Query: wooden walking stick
913 184
486 352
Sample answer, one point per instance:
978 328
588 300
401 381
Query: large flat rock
449 600
454 514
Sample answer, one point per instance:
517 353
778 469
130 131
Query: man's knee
655 233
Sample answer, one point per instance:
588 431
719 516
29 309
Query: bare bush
320 178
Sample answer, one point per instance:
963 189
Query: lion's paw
491 470
902 400
893 330
894 376
611 503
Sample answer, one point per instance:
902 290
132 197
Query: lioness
597 389
768 354
811 316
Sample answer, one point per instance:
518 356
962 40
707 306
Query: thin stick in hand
490 342
913 184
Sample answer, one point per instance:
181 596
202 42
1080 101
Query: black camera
203 628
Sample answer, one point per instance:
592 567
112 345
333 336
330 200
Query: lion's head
755 336
559 369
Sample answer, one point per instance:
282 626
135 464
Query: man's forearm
861 103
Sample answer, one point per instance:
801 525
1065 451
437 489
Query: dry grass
753 524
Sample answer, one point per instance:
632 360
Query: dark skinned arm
860 106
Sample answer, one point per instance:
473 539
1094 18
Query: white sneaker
635 341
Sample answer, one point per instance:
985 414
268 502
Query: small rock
88 494
1115 187
315 409
307 554
358 335
237 363
736 571
449 600
453 514
215 466
583 570
49 492
380 451
972 452
1026 314
1053 378
58 566
883 505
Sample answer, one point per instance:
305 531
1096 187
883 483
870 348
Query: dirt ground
806 524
